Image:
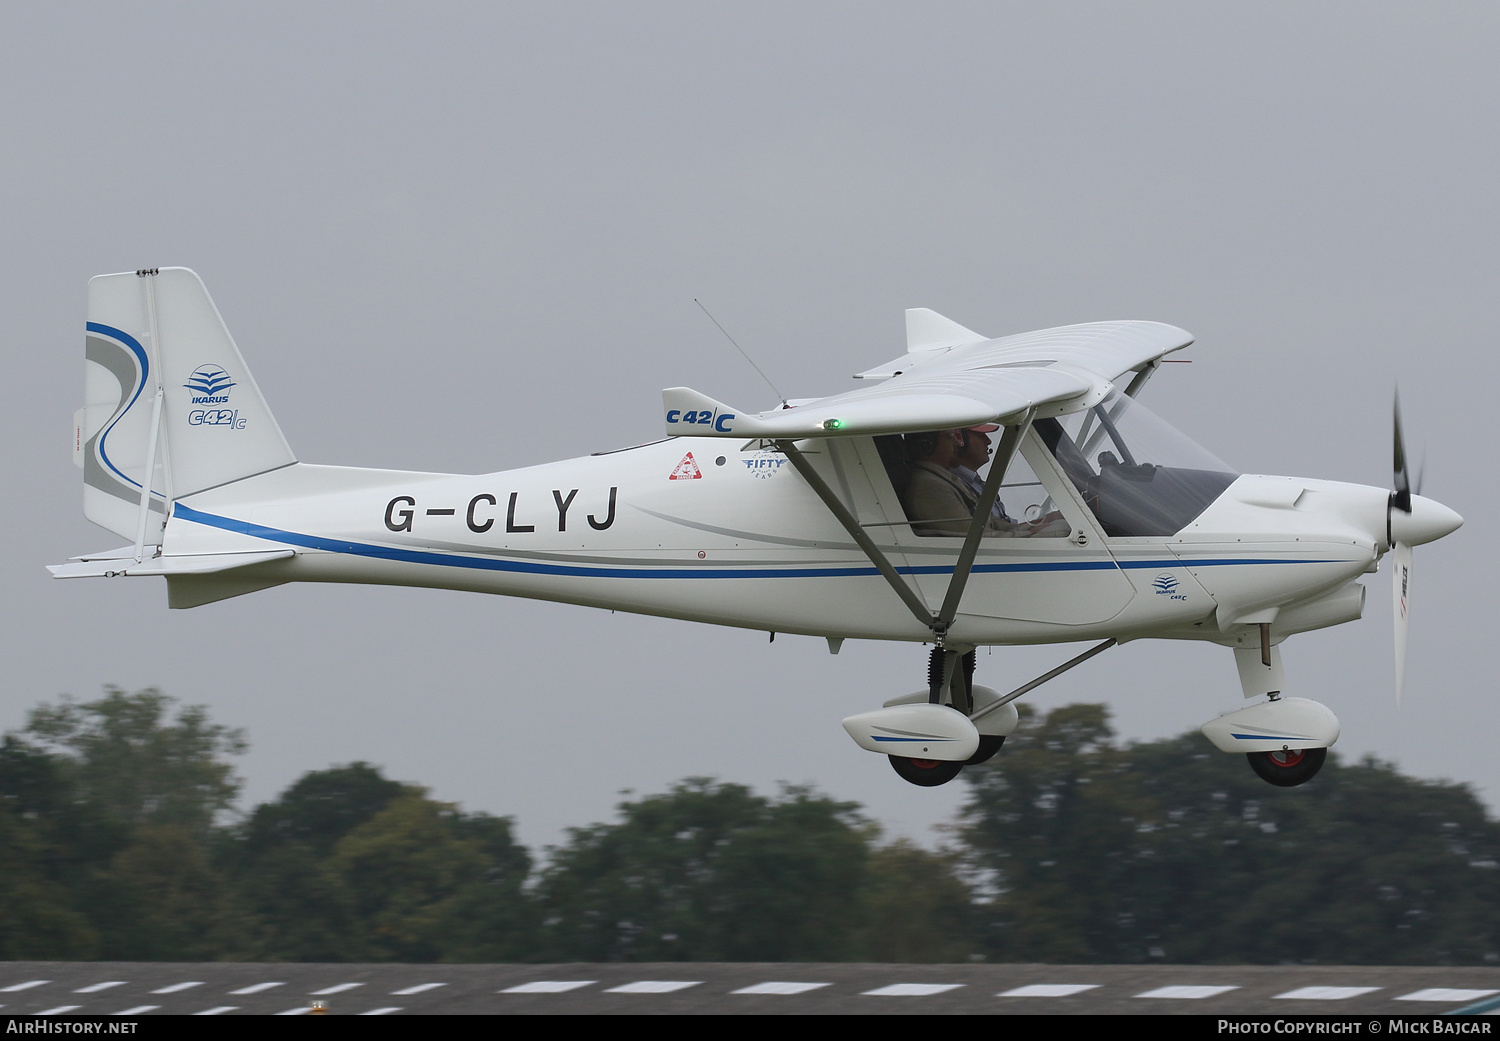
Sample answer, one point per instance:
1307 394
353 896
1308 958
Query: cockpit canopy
1139 475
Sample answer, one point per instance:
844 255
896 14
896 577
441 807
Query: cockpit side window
939 493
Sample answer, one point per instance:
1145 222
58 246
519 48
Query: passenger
937 501
945 487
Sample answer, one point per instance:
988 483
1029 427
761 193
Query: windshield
1138 474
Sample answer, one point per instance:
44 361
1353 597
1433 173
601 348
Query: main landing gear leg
951 673
955 672
950 681
963 700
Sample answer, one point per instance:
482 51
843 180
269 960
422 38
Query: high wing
950 377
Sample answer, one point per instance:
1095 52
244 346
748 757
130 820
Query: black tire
988 746
929 773
1287 769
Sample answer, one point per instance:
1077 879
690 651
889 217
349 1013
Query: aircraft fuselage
725 533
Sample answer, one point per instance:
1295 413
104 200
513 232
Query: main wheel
1289 768
929 773
988 746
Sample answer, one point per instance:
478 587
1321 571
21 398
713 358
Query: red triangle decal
687 470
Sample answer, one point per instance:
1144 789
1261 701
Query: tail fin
165 390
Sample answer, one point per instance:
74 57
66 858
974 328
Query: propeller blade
1400 609
1401 497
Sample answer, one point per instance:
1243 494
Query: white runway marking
217 1010
780 988
1189 993
1047 990
23 986
1326 993
337 988
653 986
1446 994
256 988
174 988
137 1010
912 990
382 1011
58 1011
300 1010
419 988
547 987
97 987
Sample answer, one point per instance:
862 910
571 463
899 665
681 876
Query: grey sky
468 237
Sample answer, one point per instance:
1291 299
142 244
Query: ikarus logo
1167 585
209 385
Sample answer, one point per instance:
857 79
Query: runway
157 988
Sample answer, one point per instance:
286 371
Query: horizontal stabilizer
113 566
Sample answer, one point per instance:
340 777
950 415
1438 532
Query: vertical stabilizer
926 330
165 388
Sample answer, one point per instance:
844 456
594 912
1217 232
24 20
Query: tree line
119 840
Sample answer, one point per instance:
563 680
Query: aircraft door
1140 481
1062 574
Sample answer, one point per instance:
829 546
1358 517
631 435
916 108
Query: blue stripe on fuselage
417 556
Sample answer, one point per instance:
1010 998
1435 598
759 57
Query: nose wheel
1288 768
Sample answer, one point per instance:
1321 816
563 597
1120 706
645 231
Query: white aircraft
1107 524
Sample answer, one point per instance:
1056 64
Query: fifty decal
401 512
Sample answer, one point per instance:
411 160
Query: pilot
974 452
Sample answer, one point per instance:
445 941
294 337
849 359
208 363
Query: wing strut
1144 373
965 565
841 512
1009 441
